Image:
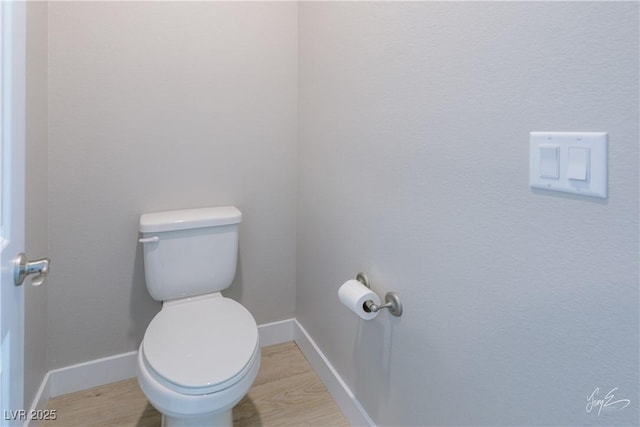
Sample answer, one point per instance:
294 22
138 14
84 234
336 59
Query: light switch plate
595 143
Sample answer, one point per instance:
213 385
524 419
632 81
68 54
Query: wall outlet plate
579 155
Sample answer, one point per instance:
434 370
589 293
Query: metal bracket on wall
391 299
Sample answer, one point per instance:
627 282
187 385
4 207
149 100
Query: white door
12 172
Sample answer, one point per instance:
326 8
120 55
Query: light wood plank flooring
286 392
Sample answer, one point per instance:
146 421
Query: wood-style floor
286 392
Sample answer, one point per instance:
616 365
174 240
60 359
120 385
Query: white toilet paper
353 294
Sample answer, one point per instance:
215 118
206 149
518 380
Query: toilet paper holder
391 299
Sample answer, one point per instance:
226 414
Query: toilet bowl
192 372
200 353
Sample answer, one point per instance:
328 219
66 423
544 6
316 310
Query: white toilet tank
190 252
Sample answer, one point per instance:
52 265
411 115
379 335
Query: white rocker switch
570 162
578 163
549 162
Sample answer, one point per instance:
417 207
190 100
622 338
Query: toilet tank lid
189 218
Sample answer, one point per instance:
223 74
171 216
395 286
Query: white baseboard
92 374
346 400
277 332
123 366
83 376
40 400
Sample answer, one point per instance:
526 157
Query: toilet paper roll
353 294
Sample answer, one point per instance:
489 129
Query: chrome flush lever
23 268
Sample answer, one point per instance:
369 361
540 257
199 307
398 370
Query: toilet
200 353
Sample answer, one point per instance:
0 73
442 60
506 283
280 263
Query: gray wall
409 126
156 106
413 160
36 238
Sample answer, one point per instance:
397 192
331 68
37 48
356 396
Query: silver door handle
23 268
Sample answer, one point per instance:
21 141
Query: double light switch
571 162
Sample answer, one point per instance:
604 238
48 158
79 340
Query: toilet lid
200 343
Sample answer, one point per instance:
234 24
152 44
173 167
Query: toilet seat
201 345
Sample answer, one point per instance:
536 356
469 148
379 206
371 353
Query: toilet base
177 409
220 419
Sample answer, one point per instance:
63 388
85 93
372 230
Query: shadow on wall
372 379
235 291
143 308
